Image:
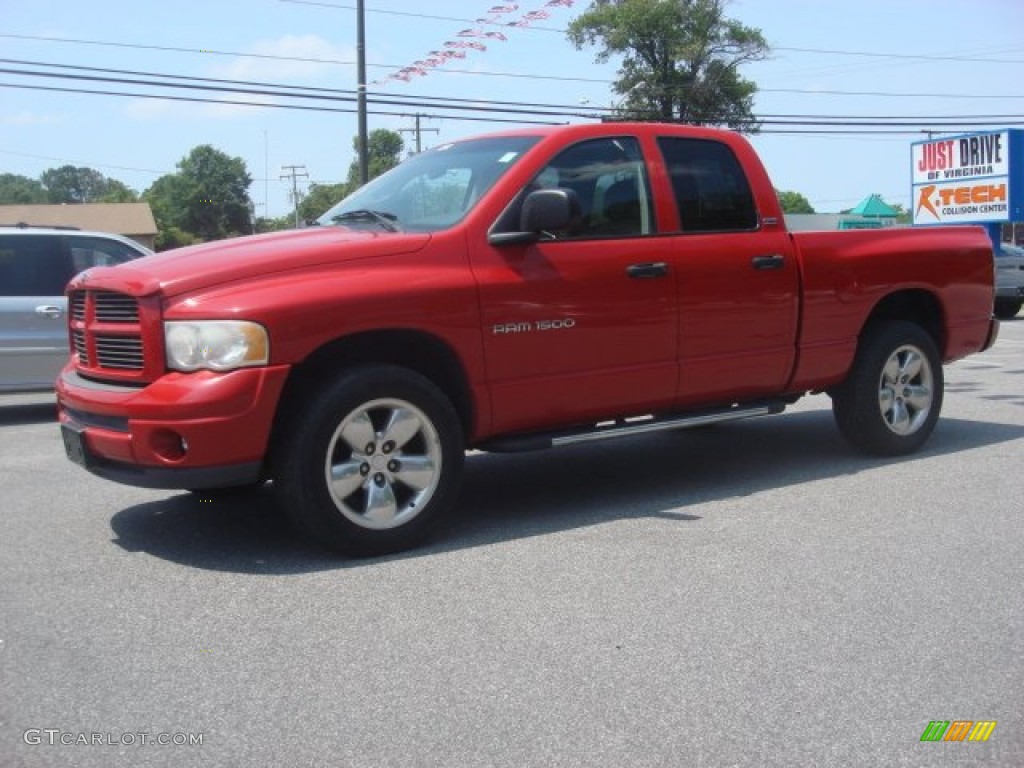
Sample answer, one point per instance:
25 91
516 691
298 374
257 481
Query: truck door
737 278
582 326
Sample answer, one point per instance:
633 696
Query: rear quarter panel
845 275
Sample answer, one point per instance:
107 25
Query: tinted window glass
711 190
608 178
33 266
89 252
433 190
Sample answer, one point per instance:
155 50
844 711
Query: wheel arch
912 305
422 352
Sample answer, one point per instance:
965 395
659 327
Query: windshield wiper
387 220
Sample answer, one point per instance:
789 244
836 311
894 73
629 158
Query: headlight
219 345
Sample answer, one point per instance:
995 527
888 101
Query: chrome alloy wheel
906 390
383 463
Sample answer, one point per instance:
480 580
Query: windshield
1009 249
432 190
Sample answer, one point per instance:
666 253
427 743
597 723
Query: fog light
168 445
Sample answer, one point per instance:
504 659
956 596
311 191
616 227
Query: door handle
774 261
645 271
51 311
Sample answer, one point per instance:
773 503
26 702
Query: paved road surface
753 594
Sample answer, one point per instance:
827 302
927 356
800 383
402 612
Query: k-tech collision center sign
969 179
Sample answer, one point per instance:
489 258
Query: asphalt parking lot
755 594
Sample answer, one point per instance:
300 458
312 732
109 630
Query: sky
931 63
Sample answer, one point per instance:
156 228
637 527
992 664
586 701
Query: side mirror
544 210
548 209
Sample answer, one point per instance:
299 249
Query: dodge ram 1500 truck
520 290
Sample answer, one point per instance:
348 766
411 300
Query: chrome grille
116 308
78 305
123 352
107 334
80 349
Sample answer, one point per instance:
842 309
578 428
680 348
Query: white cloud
32 118
318 56
154 110
149 109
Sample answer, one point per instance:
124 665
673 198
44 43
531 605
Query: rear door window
34 265
711 190
87 252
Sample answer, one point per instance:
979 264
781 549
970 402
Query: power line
906 56
418 130
829 51
464 105
175 49
887 94
268 104
839 128
274 92
274 57
294 175
516 75
78 162
412 15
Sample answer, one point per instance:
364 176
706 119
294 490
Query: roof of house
119 218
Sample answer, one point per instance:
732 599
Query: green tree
20 190
321 197
70 184
216 194
680 59
166 198
793 202
263 224
383 150
173 237
904 216
207 199
118 192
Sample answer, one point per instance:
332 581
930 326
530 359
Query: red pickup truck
520 290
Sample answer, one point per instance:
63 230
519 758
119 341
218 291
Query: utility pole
293 174
362 140
418 130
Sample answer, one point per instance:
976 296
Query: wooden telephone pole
417 129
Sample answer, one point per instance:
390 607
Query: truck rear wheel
372 462
892 397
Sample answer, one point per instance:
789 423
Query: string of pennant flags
476 39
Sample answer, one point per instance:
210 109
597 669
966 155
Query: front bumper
198 430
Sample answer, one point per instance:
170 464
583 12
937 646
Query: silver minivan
36 264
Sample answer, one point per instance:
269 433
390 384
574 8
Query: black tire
395 449
1007 309
892 397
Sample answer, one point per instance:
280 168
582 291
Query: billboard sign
975 178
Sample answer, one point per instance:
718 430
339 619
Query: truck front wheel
372 461
892 397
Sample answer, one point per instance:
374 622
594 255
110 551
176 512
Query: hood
225 261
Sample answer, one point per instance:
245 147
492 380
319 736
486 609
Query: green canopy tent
874 213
